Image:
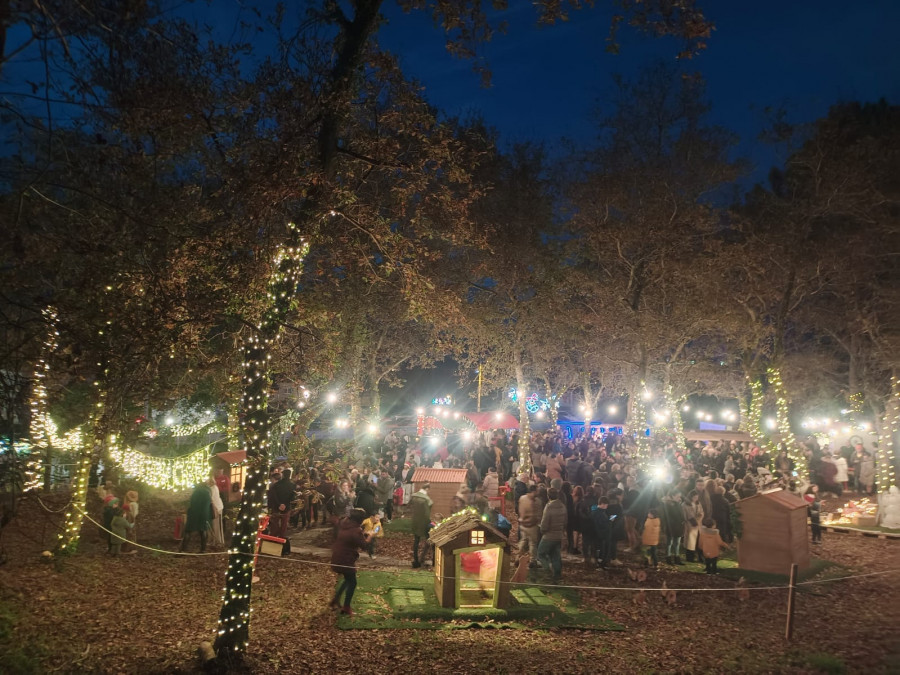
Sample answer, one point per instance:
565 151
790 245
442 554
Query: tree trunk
588 398
234 617
783 417
91 446
524 425
40 431
886 475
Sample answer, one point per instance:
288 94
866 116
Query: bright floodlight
169 421
866 426
588 412
686 408
373 428
499 416
444 413
700 414
709 418
659 472
456 415
612 410
420 411
331 397
301 404
467 435
434 440
437 410
648 395
540 414
770 423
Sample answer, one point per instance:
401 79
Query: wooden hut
445 483
774 532
233 464
471 562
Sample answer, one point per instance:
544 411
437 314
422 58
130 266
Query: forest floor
148 612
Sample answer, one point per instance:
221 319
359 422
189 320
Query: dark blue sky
799 54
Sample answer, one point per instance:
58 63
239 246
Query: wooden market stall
445 483
471 562
774 532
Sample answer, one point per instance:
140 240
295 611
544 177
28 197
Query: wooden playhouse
232 463
445 483
471 562
774 532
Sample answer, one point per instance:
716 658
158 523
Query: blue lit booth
471 562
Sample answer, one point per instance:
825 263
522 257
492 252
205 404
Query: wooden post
792 588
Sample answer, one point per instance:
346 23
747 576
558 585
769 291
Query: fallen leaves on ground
147 613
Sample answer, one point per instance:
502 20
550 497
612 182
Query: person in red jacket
344 554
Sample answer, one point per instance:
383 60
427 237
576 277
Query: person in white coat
218 535
842 475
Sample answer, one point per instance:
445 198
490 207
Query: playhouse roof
233 456
780 497
485 421
425 475
458 523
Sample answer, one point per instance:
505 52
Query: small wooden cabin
471 562
232 463
445 483
774 532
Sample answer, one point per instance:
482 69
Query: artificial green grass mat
397 526
406 599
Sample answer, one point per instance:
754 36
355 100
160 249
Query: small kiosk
471 562
774 532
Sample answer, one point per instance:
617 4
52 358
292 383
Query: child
119 526
710 544
815 513
110 508
371 528
650 536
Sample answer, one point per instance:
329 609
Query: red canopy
485 421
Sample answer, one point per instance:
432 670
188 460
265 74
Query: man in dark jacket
281 494
365 499
420 508
602 531
673 526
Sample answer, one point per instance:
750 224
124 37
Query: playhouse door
477 576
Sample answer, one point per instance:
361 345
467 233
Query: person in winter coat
365 499
650 535
842 476
553 532
866 476
119 527
199 516
491 483
344 554
721 513
673 526
603 532
814 510
384 495
693 516
373 529
280 497
530 511
710 543
420 507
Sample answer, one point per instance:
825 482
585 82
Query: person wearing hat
344 554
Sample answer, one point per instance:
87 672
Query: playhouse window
476 537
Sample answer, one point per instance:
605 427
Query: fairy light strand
233 630
40 426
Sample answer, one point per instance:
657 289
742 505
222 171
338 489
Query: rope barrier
510 583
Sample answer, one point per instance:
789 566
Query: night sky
802 55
